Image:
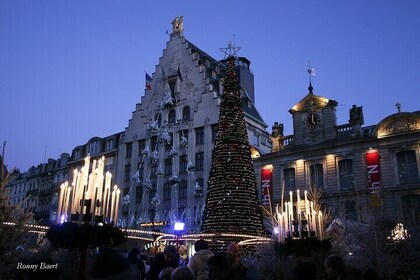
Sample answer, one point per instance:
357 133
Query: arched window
186 113
171 116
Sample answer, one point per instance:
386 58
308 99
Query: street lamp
178 228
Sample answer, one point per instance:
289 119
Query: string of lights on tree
232 204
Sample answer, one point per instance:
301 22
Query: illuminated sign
373 172
266 185
152 224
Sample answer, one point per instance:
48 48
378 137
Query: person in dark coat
335 269
237 270
169 258
136 265
304 271
218 268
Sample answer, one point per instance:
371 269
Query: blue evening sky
71 70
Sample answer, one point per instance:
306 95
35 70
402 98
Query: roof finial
178 24
398 105
311 72
231 49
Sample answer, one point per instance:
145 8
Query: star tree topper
231 50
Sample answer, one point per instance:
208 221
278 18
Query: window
168 166
168 145
183 162
77 154
346 175
93 147
152 214
411 206
171 117
199 161
152 194
263 141
140 169
153 170
186 114
128 150
139 194
200 182
199 136
181 211
172 84
213 132
142 146
256 139
289 179
110 145
166 192
182 190
407 167
316 175
127 172
350 212
153 143
109 161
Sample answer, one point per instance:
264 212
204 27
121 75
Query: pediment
398 123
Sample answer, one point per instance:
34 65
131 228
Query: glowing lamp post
178 228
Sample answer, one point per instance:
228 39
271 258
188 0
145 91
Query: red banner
373 171
266 185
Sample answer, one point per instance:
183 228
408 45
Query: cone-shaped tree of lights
232 204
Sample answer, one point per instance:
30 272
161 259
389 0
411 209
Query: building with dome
162 159
357 168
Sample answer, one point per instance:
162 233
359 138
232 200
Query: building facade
161 161
165 156
36 189
359 169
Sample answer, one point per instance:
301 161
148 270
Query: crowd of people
167 265
205 265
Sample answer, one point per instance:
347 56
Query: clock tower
314 119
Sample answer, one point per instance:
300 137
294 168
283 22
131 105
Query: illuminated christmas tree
232 204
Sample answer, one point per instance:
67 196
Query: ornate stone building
358 168
165 156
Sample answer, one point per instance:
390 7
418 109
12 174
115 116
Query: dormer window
93 147
77 154
109 145
256 141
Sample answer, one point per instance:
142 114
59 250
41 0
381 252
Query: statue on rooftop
356 115
178 24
